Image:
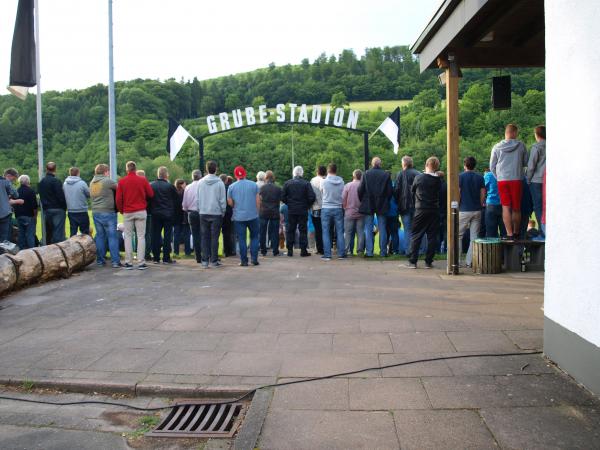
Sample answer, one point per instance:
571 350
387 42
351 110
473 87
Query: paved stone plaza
241 327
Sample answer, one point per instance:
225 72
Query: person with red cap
243 197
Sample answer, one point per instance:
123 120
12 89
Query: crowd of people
159 216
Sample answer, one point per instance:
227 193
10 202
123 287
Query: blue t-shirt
470 184
243 193
491 186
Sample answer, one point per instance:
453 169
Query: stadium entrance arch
284 114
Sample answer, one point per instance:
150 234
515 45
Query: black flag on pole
391 128
176 138
22 61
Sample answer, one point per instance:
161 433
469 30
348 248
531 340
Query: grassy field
386 105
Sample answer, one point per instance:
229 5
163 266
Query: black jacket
403 192
270 196
165 199
51 193
426 190
374 192
26 209
298 194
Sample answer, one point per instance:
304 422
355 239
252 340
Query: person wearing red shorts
507 163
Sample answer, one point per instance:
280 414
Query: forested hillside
75 121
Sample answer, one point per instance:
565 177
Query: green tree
339 100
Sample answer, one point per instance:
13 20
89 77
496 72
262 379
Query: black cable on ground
287 383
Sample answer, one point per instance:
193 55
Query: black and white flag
22 60
391 128
177 137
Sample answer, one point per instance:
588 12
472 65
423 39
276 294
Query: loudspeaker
501 92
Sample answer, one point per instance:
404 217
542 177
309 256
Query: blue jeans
26 232
369 240
407 219
106 232
55 222
536 197
78 220
5 228
269 228
329 217
354 227
181 235
493 221
240 229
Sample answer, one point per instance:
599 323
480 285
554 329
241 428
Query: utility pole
38 109
112 133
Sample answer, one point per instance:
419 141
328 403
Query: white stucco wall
572 284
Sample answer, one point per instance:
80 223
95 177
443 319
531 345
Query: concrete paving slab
501 365
52 439
362 343
184 324
193 340
186 362
545 428
395 325
331 430
304 343
248 342
248 364
527 339
284 325
442 429
421 342
481 341
427 369
387 394
334 326
129 360
318 395
233 324
505 391
317 365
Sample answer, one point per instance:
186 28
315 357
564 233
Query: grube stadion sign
290 113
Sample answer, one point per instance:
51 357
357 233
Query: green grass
386 105
145 424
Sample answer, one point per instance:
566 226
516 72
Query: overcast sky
186 38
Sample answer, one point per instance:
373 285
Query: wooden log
487 256
29 267
89 247
54 264
8 274
74 255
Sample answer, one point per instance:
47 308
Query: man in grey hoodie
535 170
211 207
507 161
332 212
76 194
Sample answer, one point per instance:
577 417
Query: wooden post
452 162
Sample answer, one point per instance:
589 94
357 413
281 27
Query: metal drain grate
200 419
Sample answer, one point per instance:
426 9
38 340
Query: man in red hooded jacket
133 193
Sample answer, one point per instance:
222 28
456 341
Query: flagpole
112 133
38 107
